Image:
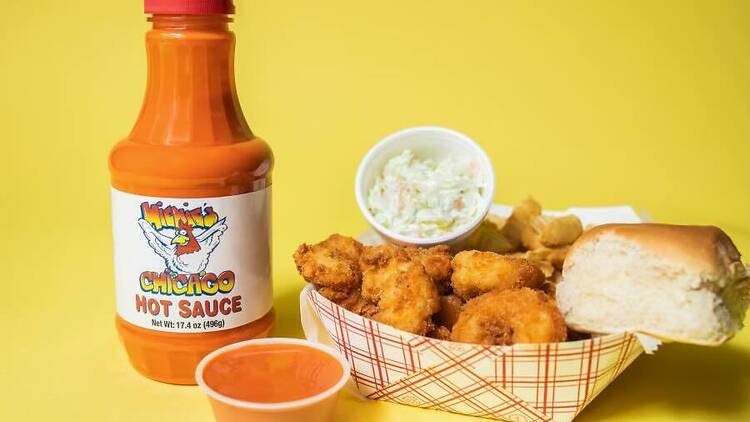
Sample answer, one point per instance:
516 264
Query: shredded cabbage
421 198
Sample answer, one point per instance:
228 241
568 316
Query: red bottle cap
189 7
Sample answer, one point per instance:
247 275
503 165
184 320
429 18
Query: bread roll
678 283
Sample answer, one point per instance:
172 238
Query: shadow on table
711 382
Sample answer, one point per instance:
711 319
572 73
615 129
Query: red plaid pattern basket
524 382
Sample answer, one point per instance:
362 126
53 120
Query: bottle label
192 265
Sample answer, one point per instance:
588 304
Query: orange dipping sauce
272 373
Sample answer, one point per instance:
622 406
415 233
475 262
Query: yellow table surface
577 102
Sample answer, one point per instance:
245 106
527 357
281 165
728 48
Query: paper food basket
523 382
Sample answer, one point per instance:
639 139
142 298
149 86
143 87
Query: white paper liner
649 344
588 217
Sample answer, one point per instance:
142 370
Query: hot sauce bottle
191 201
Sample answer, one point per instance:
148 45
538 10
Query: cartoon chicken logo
184 253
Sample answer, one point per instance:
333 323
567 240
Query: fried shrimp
331 265
435 260
476 272
352 301
344 246
506 317
403 294
440 332
450 308
379 255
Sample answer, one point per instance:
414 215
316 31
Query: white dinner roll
678 283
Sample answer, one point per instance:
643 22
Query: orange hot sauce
272 373
191 201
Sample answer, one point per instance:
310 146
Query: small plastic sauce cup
273 379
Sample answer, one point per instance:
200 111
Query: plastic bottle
191 201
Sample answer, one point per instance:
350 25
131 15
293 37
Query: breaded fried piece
518 224
496 220
506 317
552 231
331 264
557 256
561 231
379 255
550 284
549 288
527 210
345 246
450 308
492 236
405 296
476 272
538 258
435 260
440 332
352 301
546 259
534 231
577 336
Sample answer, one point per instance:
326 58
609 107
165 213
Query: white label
192 265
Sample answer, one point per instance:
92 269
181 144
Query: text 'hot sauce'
191 201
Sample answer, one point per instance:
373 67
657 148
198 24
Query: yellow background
577 102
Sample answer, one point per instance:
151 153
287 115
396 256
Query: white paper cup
431 142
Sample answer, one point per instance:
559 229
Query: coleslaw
422 198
